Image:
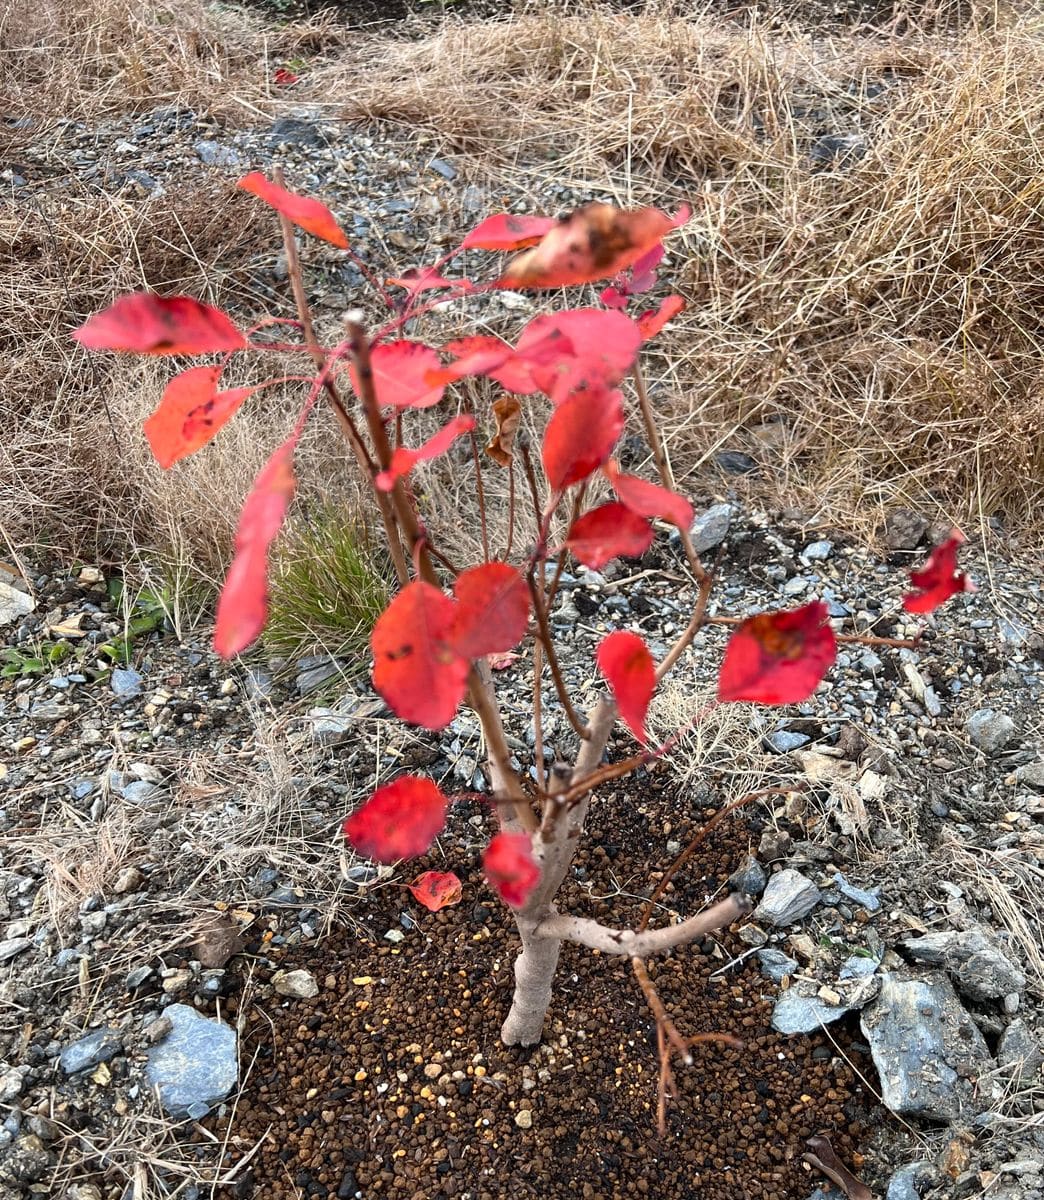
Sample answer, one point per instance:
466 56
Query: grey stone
857 967
795 1013
1020 1049
126 682
907 1183
1032 774
195 1066
817 551
735 462
10 947
140 791
776 965
136 976
926 1049
443 168
11 1082
788 897
838 149
785 740
26 1161
904 529
749 877
295 985
100 1046
330 728
314 671
990 731
14 604
868 898
711 528
294 129
979 967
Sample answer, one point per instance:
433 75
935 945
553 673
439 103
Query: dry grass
871 333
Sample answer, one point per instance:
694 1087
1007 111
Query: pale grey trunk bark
534 974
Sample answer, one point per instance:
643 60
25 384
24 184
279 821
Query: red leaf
190 413
607 531
492 610
580 347
401 373
423 279
400 820
596 242
509 867
939 578
243 607
436 889
778 657
416 668
148 324
283 77
625 661
581 435
403 459
640 278
612 297
506 231
649 499
479 355
309 214
651 322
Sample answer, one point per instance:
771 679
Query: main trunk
534 972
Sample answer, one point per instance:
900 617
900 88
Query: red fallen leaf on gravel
625 661
581 435
492 610
580 347
403 460
508 412
400 375
606 532
649 499
423 279
778 657
243 607
436 889
506 231
509 867
309 214
416 667
148 324
595 242
939 578
651 322
190 413
400 820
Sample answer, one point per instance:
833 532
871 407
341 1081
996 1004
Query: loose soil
392 1081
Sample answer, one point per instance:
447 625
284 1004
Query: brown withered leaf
823 1158
218 938
508 412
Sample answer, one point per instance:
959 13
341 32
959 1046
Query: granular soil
392 1081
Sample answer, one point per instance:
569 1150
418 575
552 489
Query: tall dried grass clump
866 324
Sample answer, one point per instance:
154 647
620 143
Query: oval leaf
436 889
581 435
416 669
581 347
939 578
506 231
492 610
778 657
510 869
649 499
309 214
596 242
653 320
190 413
148 324
403 460
625 661
243 607
606 532
400 820
400 371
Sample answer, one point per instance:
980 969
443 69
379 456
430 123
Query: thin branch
852 639
538 717
480 495
552 659
511 509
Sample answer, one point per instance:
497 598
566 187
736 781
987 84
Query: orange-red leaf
651 322
625 661
243 607
400 820
492 610
649 499
436 889
939 578
607 531
148 324
640 278
190 413
401 373
778 657
595 242
580 347
309 214
581 435
478 355
403 459
509 867
416 668
505 231
508 413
